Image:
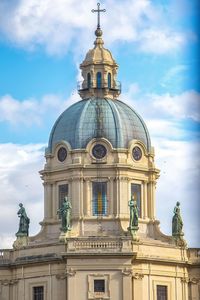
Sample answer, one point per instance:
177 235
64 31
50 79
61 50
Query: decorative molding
68 273
127 272
185 280
7 282
138 276
194 280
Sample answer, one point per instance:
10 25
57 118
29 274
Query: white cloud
183 106
155 40
33 111
60 25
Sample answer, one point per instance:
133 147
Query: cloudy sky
156 46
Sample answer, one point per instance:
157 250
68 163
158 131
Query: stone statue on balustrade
65 213
24 222
133 221
177 223
177 226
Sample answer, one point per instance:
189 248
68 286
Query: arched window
109 80
98 80
88 80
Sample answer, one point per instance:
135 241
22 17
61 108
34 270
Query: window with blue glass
136 192
99 79
109 80
99 198
88 80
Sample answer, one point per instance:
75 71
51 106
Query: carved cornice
6 282
68 273
129 272
194 280
138 275
185 280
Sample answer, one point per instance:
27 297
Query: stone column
111 198
71 285
138 287
127 284
115 197
151 199
47 200
145 199
54 201
123 197
75 196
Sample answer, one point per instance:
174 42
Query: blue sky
156 45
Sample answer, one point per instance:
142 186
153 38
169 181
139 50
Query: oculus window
161 292
99 151
62 193
38 293
136 192
62 154
99 198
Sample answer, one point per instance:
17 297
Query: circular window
62 154
137 153
99 151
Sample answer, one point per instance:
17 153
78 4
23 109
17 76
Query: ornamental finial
98 31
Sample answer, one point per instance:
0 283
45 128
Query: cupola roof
99 55
93 118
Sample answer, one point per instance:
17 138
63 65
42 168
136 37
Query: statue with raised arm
177 223
133 224
65 212
23 222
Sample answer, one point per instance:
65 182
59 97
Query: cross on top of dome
99 69
98 31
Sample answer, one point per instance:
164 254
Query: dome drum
93 87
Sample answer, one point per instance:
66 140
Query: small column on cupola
99 69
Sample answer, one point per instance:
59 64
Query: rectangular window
99 198
99 286
38 293
161 292
136 192
63 192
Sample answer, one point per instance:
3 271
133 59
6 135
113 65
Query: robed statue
133 225
65 213
177 223
23 222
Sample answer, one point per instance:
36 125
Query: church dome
96 118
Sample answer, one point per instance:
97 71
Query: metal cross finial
98 10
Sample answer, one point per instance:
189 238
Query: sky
155 44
